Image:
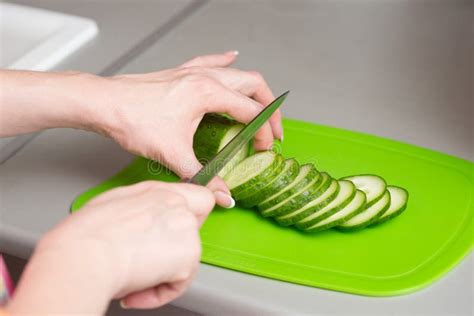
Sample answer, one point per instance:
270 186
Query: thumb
186 165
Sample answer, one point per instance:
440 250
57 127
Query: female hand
153 115
139 243
156 114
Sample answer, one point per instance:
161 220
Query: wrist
64 278
33 101
79 93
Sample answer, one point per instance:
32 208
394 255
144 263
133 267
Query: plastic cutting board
398 257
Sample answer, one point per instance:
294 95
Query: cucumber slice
288 173
368 215
345 195
350 210
300 198
259 186
373 186
398 204
212 134
313 206
264 181
252 171
307 174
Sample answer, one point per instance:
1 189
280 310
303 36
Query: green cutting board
398 257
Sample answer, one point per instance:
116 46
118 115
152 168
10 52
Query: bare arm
33 101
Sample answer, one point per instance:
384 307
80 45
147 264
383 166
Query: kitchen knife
212 168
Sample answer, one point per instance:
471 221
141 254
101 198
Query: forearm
33 101
58 282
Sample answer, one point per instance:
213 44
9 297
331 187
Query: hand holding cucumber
154 115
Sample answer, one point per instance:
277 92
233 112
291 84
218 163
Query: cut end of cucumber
249 168
241 154
212 134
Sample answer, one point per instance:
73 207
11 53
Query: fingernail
281 137
224 199
235 52
123 305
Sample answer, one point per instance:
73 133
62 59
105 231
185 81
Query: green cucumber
301 198
350 210
373 186
307 174
252 171
398 204
311 207
263 182
310 216
213 133
368 216
285 176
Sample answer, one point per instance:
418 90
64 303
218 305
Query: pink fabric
6 284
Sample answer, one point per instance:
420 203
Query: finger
117 193
154 297
243 109
200 199
264 95
182 160
252 84
221 193
185 164
216 60
159 295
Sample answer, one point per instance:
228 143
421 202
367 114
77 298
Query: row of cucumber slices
300 195
295 194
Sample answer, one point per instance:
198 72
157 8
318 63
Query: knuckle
209 199
182 222
257 76
190 260
195 60
190 70
183 275
196 70
174 200
194 255
125 140
186 220
199 83
196 249
150 185
192 250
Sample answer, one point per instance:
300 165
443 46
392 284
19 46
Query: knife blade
212 168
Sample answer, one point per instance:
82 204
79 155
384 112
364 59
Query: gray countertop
397 69
125 27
